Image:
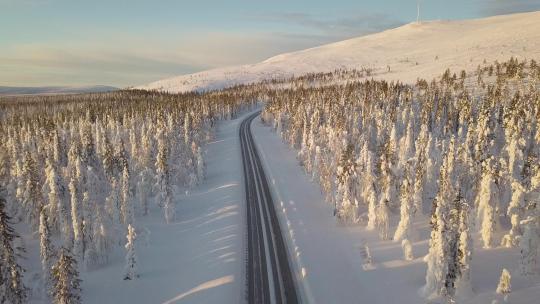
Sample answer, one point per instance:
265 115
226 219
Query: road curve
268 273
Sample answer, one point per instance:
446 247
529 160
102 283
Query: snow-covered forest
78 170
461 151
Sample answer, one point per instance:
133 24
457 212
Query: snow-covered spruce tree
12 289
54 191
126 203
144 188
113 218
383 212
134 150
370 194
393 172
201 166
193 166
528 244
504 286
92 201
187 129
486 202
420 169
432 155
46 249
107 158
316 164
383 216
312 141
101 238
404 229
407 250
463 286
131 269
407 147
163 180
32 196
346 206
76 219
438 255
515 211
303 153
66 283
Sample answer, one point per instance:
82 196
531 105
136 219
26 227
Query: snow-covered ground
332 255
199 258
405 53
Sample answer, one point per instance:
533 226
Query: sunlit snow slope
414 50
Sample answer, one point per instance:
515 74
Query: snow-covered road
269 276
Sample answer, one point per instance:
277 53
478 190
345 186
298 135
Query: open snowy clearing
405 53
199 258
329 258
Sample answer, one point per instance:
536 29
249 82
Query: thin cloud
360 24
500 7
137 60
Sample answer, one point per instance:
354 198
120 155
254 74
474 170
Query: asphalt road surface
268 273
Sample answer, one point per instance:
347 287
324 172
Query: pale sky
131 42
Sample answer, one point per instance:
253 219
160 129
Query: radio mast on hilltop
418 11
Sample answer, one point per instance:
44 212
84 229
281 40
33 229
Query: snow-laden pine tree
66 287
163 180
131 268
32 197
89 255
421 145
528 244
144 188
486 203
432 155
76 219
303 153
407 250
187 129
504 287
407 147
54 191
383 212
12 289
346 207
463 286
383 216
370 194
112 207
515 212
404 229
101 238
46 249
316 164
126 203
107 158
201 166
438 255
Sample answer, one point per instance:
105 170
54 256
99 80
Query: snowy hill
414 50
